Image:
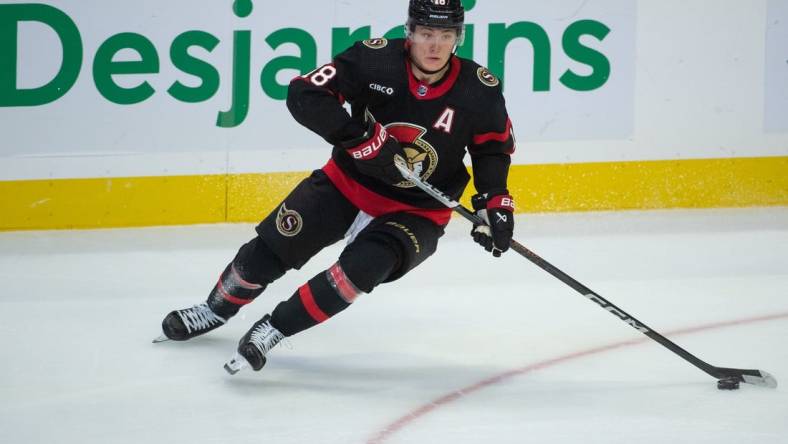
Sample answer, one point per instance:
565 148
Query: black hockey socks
322 297
245 278
363 265
232 292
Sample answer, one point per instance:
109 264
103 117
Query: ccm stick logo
596 298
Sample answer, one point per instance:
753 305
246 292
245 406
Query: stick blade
764 380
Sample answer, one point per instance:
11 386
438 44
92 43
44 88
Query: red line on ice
448 398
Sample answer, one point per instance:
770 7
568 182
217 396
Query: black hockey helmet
436 14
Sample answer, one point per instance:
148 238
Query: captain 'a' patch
445 121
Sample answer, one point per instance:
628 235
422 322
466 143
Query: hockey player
409 97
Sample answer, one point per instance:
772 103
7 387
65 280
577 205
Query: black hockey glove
496 209
373 154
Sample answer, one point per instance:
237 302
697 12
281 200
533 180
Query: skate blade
235 364
161 338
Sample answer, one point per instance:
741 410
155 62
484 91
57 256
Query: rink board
177 200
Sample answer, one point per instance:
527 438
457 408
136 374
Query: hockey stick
727 377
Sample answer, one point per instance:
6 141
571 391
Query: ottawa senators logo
375 43
422 158
487 77
288 222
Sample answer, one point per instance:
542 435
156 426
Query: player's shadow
356 373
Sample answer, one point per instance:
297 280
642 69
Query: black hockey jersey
435 123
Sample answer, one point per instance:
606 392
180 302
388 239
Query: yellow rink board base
180 200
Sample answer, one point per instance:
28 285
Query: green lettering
242 8
396 32
104 68
242 43
303 64
499 37
342 38
600 65
67 32
466 50
468 4
208 75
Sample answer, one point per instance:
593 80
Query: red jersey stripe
480 139
373 203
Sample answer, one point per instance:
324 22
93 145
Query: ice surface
466 349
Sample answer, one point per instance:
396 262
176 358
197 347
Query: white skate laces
265 337
199 317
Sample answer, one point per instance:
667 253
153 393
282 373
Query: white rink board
777 67
670 92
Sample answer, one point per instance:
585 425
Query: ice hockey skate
254 345
182 325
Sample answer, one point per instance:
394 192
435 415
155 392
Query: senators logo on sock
288 222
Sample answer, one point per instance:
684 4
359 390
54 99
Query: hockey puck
728 384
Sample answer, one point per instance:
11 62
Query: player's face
432 47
